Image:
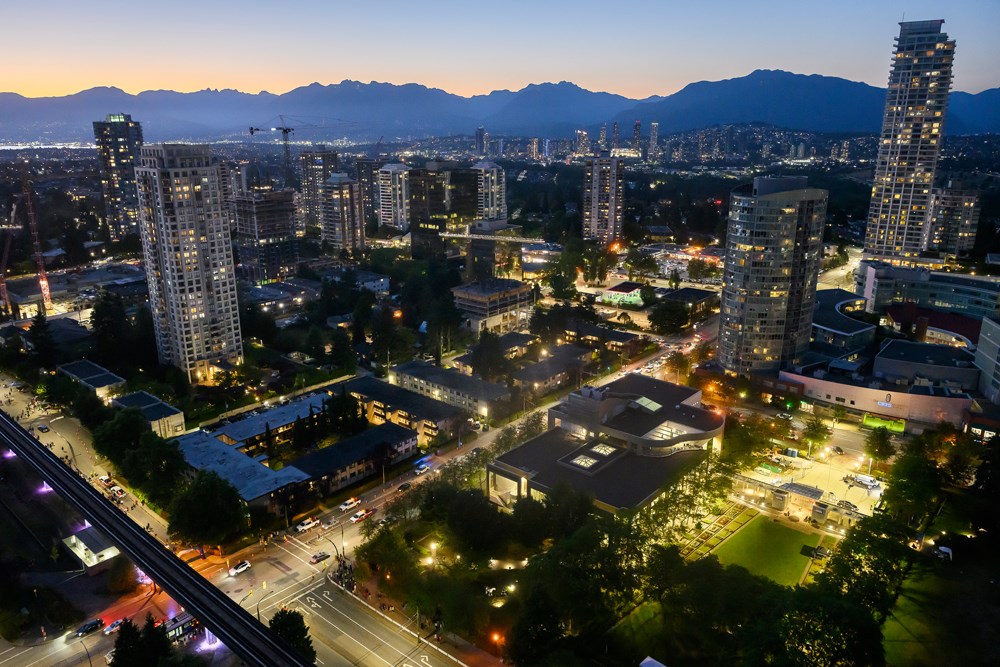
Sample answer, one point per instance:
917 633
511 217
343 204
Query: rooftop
827 313
492 286
153 408
690 295
91 374
516 339
655 403
908 313
586 329
618 480
249 477
359 447
276 417
625 287
417 405
452 379
924 353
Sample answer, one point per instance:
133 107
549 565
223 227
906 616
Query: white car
349 504
422 469
308 524
118 492
240 567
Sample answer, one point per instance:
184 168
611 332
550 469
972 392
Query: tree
189 519
839 413
668 317
291 626
146 646
678 363
488 358
815 431
640 264
675 279
878 444
536 630
121 576
111 327
699 269
648 295
43 346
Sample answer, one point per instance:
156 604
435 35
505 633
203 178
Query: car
42 427
349 504
404 487
106 481
118 492
422 469
847 505
318 557
328 524
784 415
821 552
838 450
308 524
476 426
90 626
114 627
239 568
361 515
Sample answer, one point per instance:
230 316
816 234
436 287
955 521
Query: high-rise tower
316 166
342 213
614 135
264 221
119 139
394 196
915 106
637 137
492 189
603 184
482 141
774 245
654 139
189 259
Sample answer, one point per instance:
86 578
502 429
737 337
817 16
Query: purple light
9 454
45 488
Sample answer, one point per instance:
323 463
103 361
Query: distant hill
369 110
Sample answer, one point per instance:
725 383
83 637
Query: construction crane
285 132
5 303
43 279
375 148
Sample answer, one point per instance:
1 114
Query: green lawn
769 549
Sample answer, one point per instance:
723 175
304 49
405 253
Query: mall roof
249 477
924 353
827 315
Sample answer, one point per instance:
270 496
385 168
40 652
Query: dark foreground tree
207 512
290 626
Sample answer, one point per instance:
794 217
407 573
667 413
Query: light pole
91 662
258 604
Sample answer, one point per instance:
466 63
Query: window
584 461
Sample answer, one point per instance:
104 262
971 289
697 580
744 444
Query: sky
630 47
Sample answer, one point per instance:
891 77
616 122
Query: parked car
318 557
839 450
239 568
113 628
361 515
821 552
106 481
42 427
308 524
784 415
90 626
118 492
349 504
847 505
422 469
404 487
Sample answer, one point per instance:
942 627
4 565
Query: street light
261 600
497 639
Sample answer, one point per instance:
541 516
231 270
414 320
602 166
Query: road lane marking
17 654
346 635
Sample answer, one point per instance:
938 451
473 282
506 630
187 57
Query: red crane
5 305
43 279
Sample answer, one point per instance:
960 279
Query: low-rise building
626 293
96 378
247 432
700 303
622 443
356 458
384 402
884 285
606 338
472 394
497 304
902 362
164 419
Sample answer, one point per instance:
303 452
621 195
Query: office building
119 139
603 189
495 304
774 246
316 166
910 143
265 234
654 147
954 220
482 141
341 217
637 137
582 147
884 285
614 135
366 173
602 138
394 196
533 148
189 259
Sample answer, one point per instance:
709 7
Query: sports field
769 549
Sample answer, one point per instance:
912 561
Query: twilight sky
468 47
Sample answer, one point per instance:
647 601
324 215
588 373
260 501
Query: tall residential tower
915 106
189 259
119 139
603 205
774 245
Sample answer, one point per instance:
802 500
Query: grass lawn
769 549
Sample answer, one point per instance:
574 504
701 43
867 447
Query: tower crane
285 132
5 303
43 279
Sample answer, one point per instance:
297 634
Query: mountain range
366 111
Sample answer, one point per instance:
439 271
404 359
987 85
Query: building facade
603 205
954 220
774 246
883 285
394 196
910 143
189 259
316 166
491 190
264 222
341 214
366 172
497 304
119 139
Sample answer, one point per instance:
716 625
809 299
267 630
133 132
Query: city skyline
681 45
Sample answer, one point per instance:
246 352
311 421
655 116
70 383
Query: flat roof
103 380
452 379
492 286
543 370
276 417
963 325
82 369
924 353
153 407
625 287
249 477
623 480
417 405
827 315
614 335
351 450
657 402
690 295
